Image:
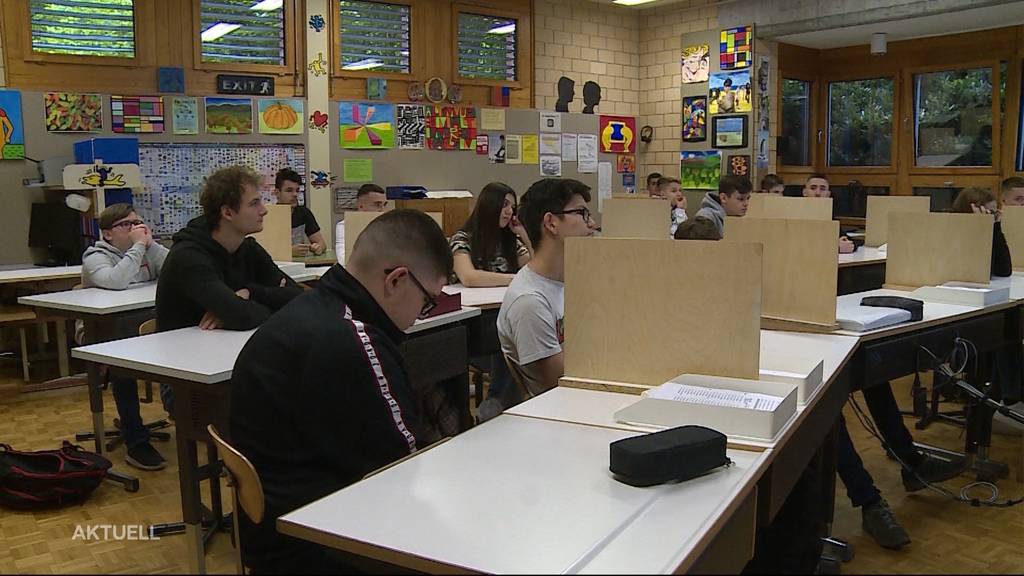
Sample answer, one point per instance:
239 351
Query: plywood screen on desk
800 267
635 218
1013 229
775 206
276 236
645 311
356 222
878 211
928 249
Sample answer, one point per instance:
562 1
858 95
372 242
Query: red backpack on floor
49 478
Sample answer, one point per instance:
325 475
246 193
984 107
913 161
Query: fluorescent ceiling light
630 2
363 64
217 30
506 29
267 5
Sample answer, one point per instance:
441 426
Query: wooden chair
20 317
247 490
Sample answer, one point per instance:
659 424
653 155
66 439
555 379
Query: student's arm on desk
157 253
201 283
266 288
473 278
98 271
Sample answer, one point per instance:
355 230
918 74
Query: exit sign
250 85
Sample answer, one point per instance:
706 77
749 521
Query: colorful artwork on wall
137 114
451 127
366 125
71 112
696 63
411 122
617 134
12 146
738 165
281 116
185 115
729 92
695 118
734 49
228 115
700 170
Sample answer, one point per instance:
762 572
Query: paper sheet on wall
550 122
551 165
586 145
568 147
358 169
550 144
604 183
531 149
492 118
513 149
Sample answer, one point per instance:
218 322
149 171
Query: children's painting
696 64
185 115
617 134
281 116
738 165
70 112
411 126
695 118
729 92
366 125
451 127
734 48
137 114
700 170
12 147
229 115
625 163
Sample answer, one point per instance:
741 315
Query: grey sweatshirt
104 266
712 209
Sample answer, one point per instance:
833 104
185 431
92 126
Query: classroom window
487 47
941 198
850 200
953 118
796 122
860 122
374 36
84 27
242 31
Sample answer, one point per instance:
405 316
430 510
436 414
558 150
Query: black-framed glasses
583 212
431 302
127 224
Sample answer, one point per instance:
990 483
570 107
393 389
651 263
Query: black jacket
1001 264
320 397
199 275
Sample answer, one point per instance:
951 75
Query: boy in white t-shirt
671 188
370 198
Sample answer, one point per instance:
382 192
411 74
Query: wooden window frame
290 38
823 117
523 38
143 27
812 130
416 48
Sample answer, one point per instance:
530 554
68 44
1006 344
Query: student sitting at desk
982 201
1013 191
531 315
370 198
306 235
320 392
772 184
652 184
698 228
492 245
732 199
126 254
817 186
670 188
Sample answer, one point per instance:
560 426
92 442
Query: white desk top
457 316
37 273
96 300
861 257
571 516
484 298
310 273
934 313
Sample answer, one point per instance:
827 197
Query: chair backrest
248 488
147 327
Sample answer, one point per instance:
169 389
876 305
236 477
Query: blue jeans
500 377
860 486
126 396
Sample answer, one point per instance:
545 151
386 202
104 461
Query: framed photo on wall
729 131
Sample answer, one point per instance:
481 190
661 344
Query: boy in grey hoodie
127 254
732 199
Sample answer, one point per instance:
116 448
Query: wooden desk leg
62 347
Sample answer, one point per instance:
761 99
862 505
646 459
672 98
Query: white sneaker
1006 426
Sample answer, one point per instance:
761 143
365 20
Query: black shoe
145 457
878 521
933 470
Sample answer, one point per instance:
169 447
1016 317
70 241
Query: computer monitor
58 229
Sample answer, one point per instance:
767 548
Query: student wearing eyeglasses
126 254
320 395
531 315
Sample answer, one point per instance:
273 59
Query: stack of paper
859 318
964 293
715 397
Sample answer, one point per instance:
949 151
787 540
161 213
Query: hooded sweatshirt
320 397
105 266
712 209
201 276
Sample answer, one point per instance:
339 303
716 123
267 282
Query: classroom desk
328 258
198 365
40 273
482 298
861 270
442 511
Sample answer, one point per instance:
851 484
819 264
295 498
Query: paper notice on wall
568 147
586 148
550 144
550 122
492 118
604 183
513 149
531 149
551 165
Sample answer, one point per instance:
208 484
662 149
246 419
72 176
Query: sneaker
877 520
145 457
933 470
1006 426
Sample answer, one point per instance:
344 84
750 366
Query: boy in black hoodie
320 394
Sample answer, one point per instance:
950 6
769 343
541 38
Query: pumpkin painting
281 116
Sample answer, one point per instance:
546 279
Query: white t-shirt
530 323
339 242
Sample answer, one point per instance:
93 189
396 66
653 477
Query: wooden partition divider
928 249
639 217
879 207
356 222
1013 229
276 236
794 208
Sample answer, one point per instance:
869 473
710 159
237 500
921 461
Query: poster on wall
185 115
696 64
366 125
496 148
410 126
71 112
451 127
729 92
764 110
699 170
137 114
738 165
617 134
734 50
625 163
550 144
12 147
281 116
695 118
228 115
